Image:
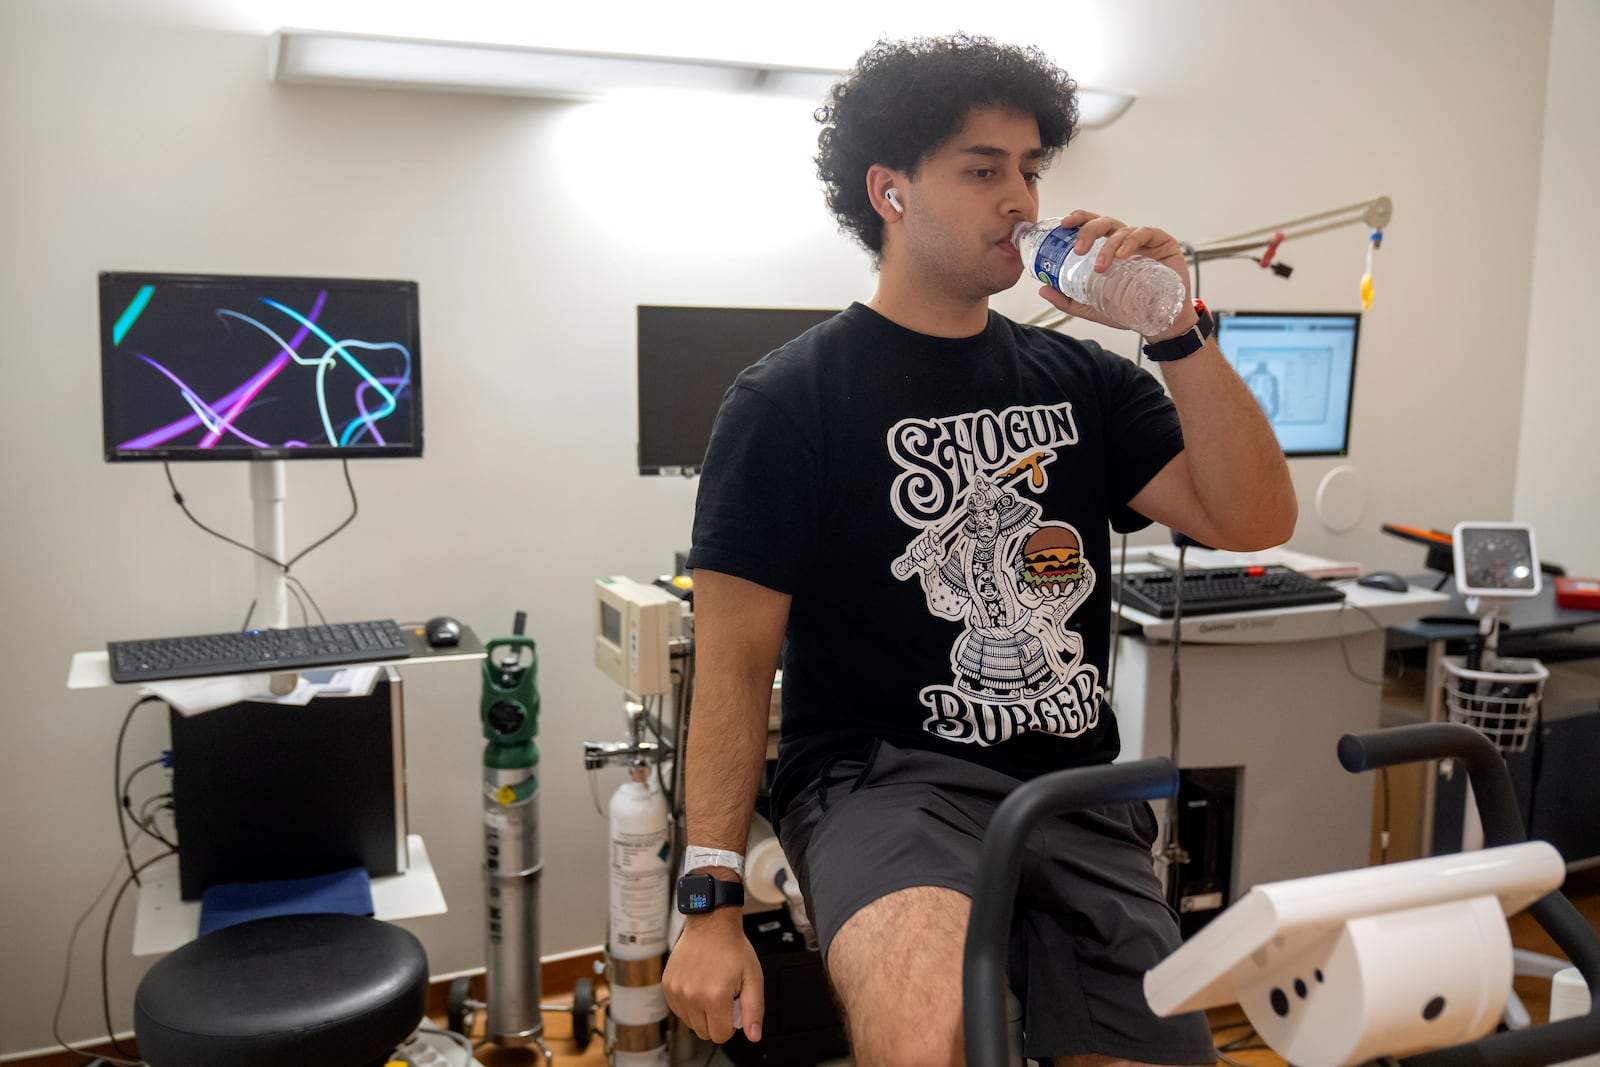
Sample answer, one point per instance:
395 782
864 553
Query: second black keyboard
251 651
1224 589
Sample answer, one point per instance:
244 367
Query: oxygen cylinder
512 866
640 878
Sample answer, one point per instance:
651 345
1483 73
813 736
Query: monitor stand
268 488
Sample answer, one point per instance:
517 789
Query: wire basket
1502 704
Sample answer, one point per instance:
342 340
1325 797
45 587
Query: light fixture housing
1102 107
316 57
323 57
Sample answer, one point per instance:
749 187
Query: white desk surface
165 921
92 670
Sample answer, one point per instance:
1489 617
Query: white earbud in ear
893 196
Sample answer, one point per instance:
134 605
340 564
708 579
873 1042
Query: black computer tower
802 1024
1202 887
265 791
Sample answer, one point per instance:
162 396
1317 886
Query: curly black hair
906 98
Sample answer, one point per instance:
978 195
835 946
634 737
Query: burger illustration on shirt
1052 560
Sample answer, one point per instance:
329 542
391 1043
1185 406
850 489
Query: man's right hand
712 964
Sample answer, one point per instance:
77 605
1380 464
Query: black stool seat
309 990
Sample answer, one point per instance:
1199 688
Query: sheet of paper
194 695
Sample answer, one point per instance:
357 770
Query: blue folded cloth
347 892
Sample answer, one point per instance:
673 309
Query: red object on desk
1581 593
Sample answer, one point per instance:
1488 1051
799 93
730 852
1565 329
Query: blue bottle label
1053 251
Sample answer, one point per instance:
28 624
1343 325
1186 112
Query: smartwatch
701 894
1185 344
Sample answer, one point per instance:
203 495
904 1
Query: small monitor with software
1301 368
217 367
688 357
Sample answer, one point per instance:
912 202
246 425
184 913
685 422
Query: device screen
225 367
1301 368
1497 558
611 624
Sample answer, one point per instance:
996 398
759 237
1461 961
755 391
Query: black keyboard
251 651
1212 592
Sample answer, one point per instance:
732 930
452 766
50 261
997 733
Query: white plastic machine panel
1340 968
633 631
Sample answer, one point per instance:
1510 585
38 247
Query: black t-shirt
938 510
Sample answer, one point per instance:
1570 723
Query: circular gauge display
1497 559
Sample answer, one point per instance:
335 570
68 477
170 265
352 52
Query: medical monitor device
1496 559
1341 968
1301 368
688 357
634 625
216 367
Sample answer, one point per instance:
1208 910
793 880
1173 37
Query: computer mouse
442 631
1383 580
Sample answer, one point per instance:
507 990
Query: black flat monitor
688 357
218 367
1301 367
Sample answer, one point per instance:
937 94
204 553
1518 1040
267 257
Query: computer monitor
688 357
216 367
1301 367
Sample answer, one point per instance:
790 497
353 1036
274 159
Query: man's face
966 197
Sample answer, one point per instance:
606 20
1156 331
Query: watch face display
694 893
1496 558
700 893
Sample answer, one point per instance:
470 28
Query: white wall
1558 481
534 230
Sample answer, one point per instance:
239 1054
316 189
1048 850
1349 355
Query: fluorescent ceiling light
315 57
318 58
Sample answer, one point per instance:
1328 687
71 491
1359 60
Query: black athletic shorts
1090 914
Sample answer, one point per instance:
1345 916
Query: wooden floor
1232 1034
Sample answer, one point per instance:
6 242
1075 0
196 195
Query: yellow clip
1366 291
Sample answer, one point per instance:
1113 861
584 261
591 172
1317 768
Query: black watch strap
699 894
1185 344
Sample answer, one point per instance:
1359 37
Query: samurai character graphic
1014 582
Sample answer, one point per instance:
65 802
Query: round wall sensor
1341 499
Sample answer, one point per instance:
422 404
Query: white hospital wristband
695 858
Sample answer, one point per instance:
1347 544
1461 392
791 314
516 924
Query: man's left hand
1123 241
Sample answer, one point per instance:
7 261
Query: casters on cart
463 1010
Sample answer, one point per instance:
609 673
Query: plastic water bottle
1141 293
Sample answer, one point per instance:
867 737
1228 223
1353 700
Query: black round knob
506 717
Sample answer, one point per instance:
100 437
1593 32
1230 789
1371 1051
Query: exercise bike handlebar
1497 806
983 978
1491 783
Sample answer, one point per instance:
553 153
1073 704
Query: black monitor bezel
689 470
1355 356
413 449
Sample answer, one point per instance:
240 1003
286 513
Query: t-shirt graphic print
988 558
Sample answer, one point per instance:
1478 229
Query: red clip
1255 572
1272 250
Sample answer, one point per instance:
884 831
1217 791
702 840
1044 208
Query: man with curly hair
842 473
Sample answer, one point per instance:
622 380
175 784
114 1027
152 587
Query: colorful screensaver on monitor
228 367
